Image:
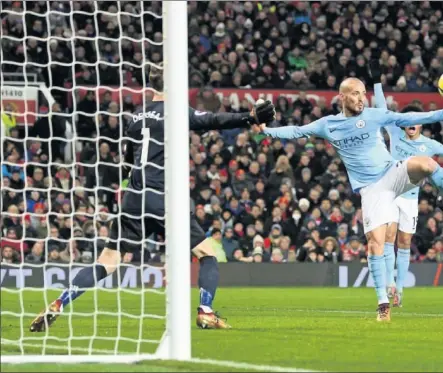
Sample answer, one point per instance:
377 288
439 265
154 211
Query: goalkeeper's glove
375 71
263 112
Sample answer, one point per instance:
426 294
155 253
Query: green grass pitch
324 329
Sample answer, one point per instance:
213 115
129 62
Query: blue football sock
84 280
208 281
377 268
389 254
403 259
437 178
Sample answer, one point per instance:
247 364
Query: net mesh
72 75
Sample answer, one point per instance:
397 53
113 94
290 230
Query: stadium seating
281 201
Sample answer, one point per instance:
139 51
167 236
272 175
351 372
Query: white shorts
407 209
378 199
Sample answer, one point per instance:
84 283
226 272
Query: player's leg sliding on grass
143 198
404 143
85 279
109 261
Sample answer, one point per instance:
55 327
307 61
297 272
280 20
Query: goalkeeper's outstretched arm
262 113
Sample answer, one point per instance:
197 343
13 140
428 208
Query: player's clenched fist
263 111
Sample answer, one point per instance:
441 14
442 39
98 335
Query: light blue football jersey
358 140
401 147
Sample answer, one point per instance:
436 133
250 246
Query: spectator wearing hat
342 235
258 244
30 233
240 183
257 255
356 248
275 234
347 209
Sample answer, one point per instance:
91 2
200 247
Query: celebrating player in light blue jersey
356 135
403 144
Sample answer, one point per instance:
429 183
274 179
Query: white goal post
175 46
176 341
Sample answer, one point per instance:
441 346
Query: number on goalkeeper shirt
146 132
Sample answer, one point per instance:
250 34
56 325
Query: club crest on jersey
360 124
422 148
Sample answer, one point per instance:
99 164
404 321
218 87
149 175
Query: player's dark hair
156 77
409 108
215 231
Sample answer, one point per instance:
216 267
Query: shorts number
146 132
414 224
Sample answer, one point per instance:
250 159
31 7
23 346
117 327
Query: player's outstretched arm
380 100
411 118
262 113
316 128
375 73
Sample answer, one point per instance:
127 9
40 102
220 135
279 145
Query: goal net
73 74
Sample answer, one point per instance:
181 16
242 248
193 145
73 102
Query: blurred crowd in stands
258 199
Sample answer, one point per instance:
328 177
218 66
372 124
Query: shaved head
350 84
353 96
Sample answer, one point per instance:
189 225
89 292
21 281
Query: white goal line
110 358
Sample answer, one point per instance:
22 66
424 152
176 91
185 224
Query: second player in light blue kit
404 143
356 135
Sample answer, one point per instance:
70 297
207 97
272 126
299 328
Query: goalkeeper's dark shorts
129 233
